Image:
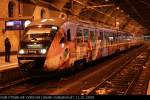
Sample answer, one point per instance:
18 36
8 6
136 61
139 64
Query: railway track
122 80
27 86
18 87
141 86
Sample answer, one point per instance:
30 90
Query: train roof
52 21
59 21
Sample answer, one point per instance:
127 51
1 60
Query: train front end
34 44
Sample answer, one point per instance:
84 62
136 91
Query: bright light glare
21 51
117 23
62 45
39 26
54 27
117 8
111 38
27 23
44 20
43 51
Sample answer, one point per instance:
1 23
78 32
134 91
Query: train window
115 37
68 35
111 38
100 35
86 33
66 52
96 35
79 32
92 36
79 35
62 40
107 35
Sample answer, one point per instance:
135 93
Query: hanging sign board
14 24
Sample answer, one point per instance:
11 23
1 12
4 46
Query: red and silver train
57 44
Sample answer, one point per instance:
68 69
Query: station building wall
12 35
26 9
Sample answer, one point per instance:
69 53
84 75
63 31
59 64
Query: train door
80 46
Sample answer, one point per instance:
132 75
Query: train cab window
79 35
86 33
68 35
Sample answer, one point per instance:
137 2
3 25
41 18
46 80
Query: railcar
56 44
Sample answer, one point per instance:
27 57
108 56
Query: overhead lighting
44 20
106 0
39 26
118 8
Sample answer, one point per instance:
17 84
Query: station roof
137 9
128 15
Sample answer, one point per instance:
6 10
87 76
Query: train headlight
43 51
21 51
54 28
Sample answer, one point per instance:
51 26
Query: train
56 44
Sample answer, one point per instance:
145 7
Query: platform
9 71
6 65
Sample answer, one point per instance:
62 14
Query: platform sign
14 24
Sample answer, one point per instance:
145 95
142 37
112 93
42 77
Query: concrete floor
13 59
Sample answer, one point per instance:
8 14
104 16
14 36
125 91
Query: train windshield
42 36
38 34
